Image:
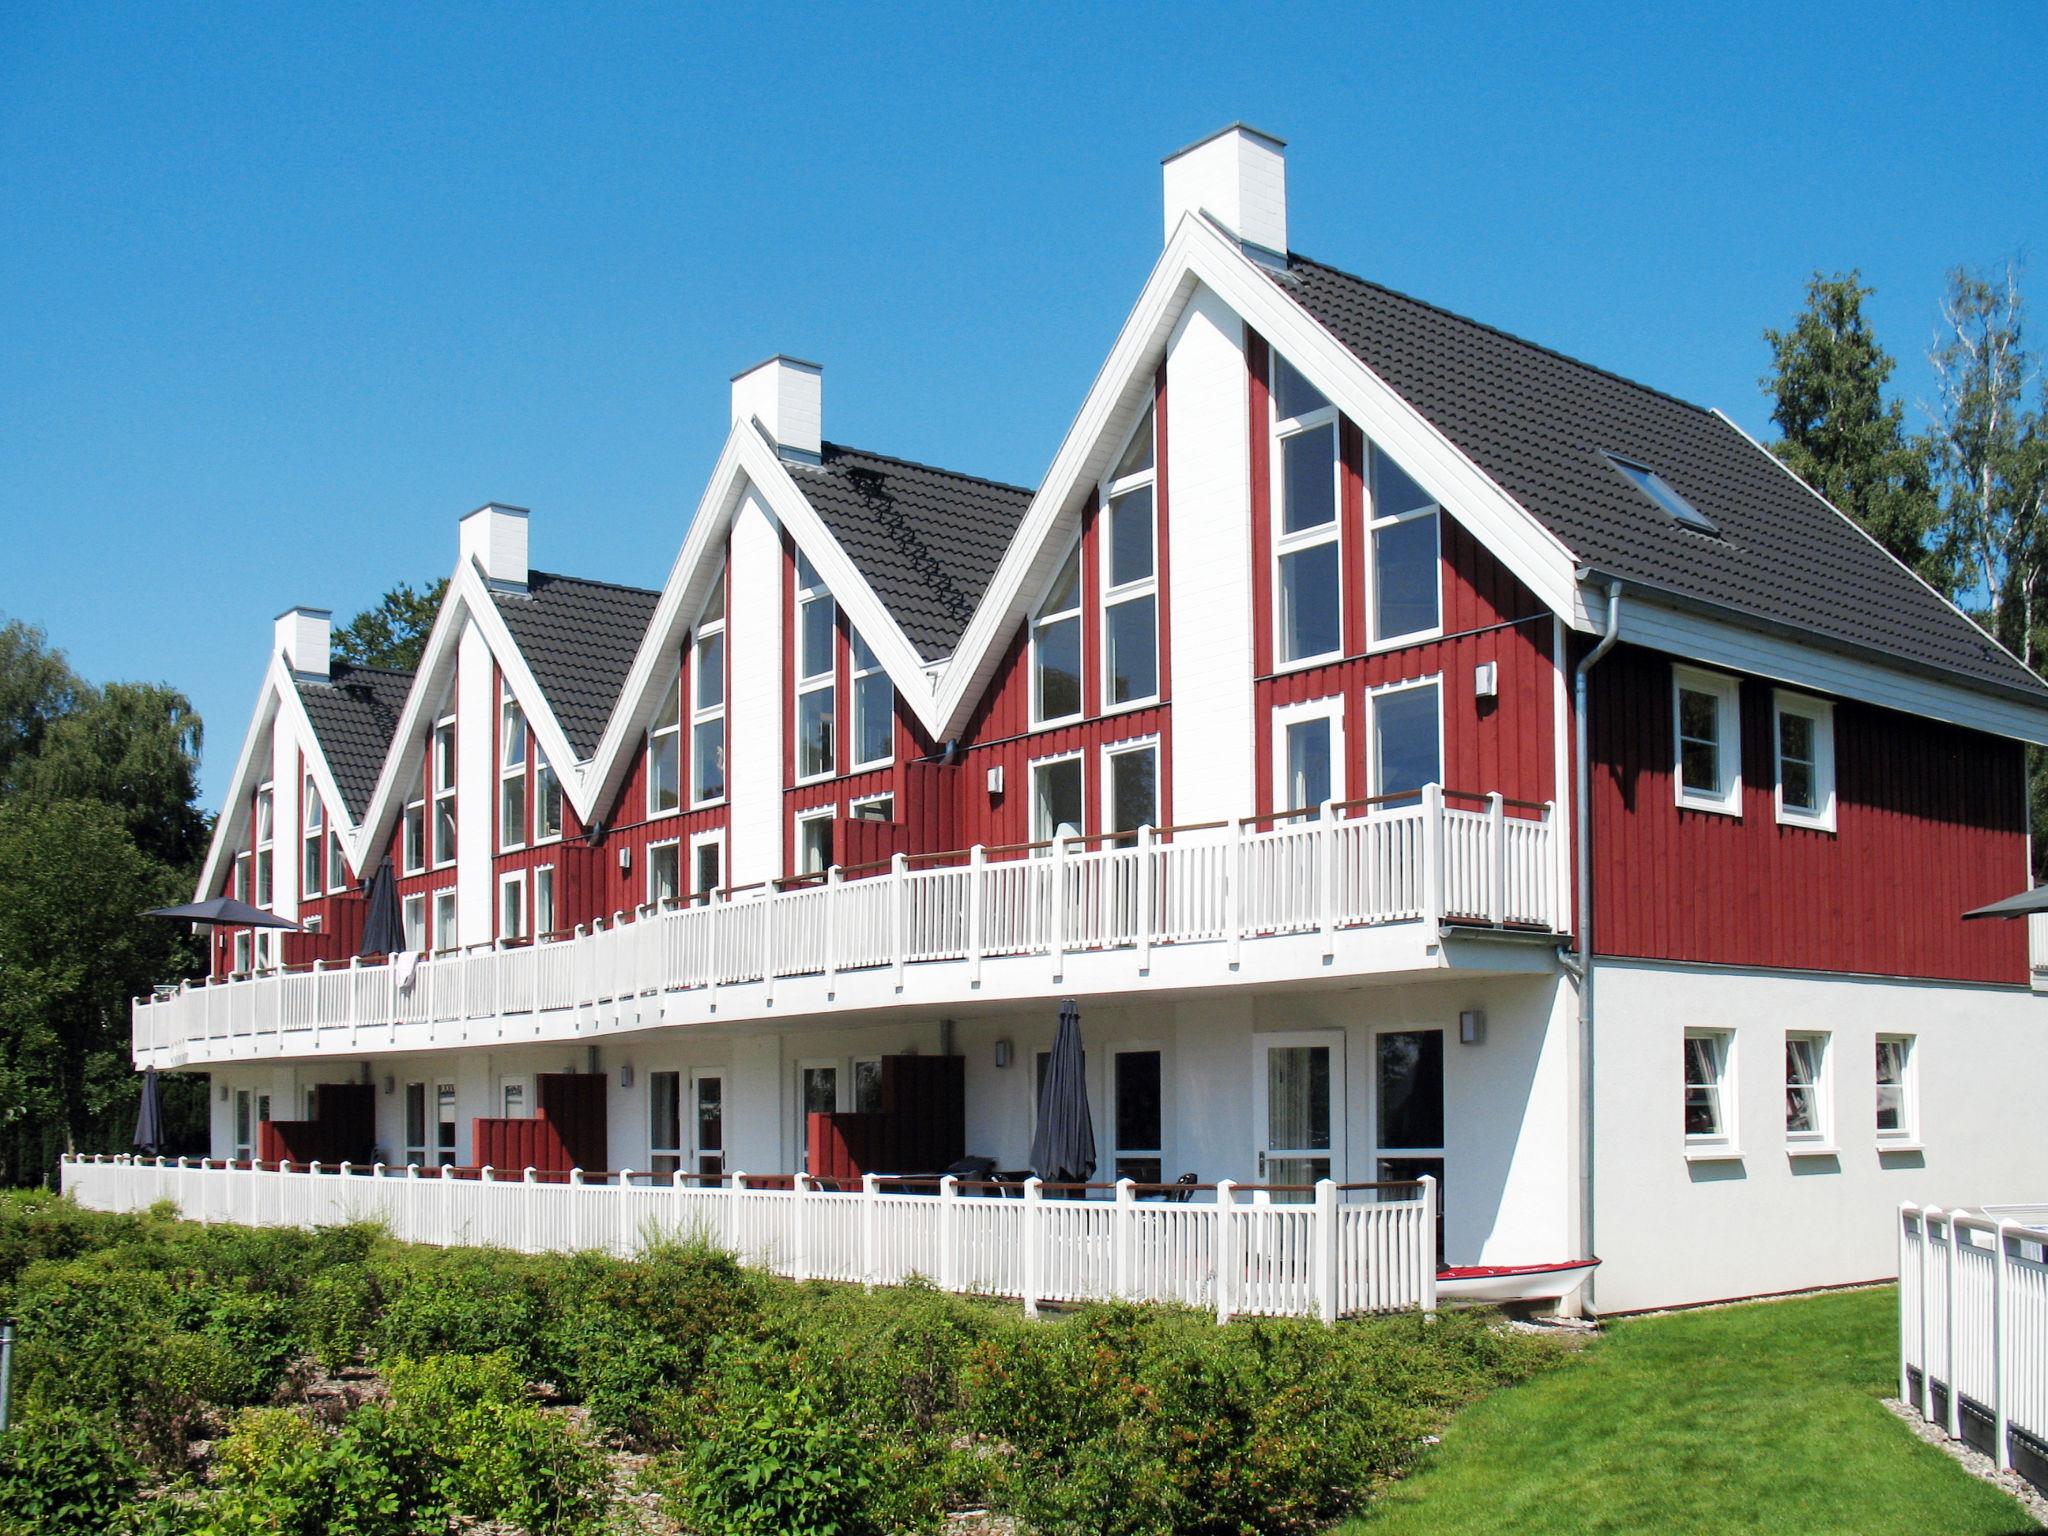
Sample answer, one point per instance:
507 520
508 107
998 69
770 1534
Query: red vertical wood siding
1930 821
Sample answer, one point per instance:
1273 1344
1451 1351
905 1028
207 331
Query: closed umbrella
149 1119
1063 1150
383 929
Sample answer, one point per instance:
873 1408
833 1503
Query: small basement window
1654 486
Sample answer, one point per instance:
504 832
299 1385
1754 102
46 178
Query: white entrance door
707 1122
1298 1108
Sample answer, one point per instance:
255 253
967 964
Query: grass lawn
1763 1417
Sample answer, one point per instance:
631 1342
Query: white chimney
784 394
304 637
495 537
1238 176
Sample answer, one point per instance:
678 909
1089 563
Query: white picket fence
1225 884
1347 1250
1973 1327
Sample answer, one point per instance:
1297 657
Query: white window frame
1041 619
842 1088
412 922
1374 698
855 673
244 960
1821 714
804 819
416 1151
544 775
524 1083
544 885
1146 586
445 902
666 731
1820 1141
1374 525
850 1090
337 865
510 718
808 685
678 1154
1720 1144
412 838
1032 769
1280 429
714 840
1330 708
702 714
1125 748
654 850
312 840
1117 1150
1726 690
264 833
267 949
513 886
1906 1138
446 1096
245 1120
444 789
857 807
693 1123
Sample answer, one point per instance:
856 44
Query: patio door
707 1122
1408 1111
1298 1108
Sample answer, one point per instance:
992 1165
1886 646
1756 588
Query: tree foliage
1840 435
394 632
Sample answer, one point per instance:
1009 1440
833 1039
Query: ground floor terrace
1753 1132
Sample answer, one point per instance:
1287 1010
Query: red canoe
1512 1282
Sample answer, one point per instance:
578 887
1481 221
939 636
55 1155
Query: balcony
1366 887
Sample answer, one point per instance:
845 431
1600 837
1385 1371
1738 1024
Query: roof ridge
930 469
1505 335
586 581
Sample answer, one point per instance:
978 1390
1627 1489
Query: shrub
63 1473
773 1463
460 1301
338 1316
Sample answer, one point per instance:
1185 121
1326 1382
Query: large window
512 908
415 1124
664 874
665 753
413 841
544 902
1308 755
511 770
446 935
665 1151
1407 738
1056 646
874 707
1137 1129
1708 1119
707 702
814 841
707 864
817 702
1056 808
313 843
444 793
1307 578
1406 583
1131 788
1804 740
337 868
547 798
1897 1113
1708 741
1807 1110
266 836
1130 586
413 917
444 1124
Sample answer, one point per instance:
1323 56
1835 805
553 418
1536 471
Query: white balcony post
1120 1242
799 1246
624 1232
1056 922
1433 851
899 894
1905 1361
1144 895
870 1264
1030 1246
1326 867
1326 1249
487 1174
1226 1247
831 931
1497 837
1233 898
1955 1396
1427 1247
714 922
977 867
735 1186
769 900
1558 866
355 1002
949 1213
2001 1334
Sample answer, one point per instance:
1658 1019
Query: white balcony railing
1226 883
1335 1251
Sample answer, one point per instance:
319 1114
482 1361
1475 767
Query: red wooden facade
566 1130
920 1128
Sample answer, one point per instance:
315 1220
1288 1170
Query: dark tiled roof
927 540
1536 422
354 714
579 637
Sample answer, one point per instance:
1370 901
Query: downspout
1580 964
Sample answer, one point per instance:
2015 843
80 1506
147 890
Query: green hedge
765 1405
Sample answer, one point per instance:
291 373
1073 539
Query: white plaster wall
476 786
754 717
1673 1231
1208 478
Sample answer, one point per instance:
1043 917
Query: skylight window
1652 485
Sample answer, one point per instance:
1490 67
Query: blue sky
284 291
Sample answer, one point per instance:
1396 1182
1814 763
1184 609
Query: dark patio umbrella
383 930
1064 1148
2022 905
149 1119
224 912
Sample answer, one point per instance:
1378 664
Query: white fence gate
1351 1249
1973 1331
